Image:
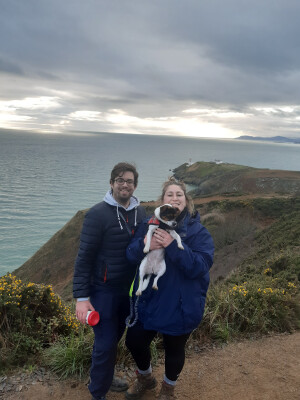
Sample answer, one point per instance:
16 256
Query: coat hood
109 199
134 203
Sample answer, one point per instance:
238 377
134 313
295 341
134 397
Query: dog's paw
181 247
138 292
146 250
155 287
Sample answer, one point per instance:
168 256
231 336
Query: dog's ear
164 208
166 213
177 212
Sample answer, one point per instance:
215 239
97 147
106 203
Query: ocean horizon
46 178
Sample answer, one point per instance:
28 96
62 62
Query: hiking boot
166 392
118 384
140 385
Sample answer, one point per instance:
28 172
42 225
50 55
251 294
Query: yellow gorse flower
15 293
268 271
236 290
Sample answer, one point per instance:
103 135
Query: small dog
154 262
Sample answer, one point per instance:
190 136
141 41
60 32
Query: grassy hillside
237 223
250 230
261 293
53 263
211 178
242 230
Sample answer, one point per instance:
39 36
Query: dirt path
264 369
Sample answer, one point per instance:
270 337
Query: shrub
31 317
267 302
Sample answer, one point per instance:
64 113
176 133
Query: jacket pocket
192 312
101 272
105 273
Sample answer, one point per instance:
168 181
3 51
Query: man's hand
82 308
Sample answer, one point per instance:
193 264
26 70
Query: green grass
203 169
71 356
259 207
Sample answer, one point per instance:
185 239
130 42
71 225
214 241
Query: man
103 276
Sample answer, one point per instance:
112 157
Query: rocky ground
263 369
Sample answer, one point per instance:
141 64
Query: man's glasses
121 181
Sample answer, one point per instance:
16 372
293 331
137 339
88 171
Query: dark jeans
138 342
113 308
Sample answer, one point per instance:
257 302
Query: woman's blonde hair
172 181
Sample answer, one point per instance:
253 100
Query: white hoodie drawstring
119 217
134 203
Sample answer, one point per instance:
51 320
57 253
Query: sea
46 178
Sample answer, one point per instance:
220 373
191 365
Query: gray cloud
152 59
10 67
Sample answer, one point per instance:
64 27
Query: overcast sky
207 68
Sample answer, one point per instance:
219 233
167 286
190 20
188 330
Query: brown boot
118 384
166 392
140 385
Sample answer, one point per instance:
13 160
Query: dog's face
167 214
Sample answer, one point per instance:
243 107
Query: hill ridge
53 263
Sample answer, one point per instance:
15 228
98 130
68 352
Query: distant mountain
277 139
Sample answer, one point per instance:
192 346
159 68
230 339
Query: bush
31 317
267 301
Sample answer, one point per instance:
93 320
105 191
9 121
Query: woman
176 309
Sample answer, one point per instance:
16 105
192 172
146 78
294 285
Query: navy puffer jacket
101 260
177 306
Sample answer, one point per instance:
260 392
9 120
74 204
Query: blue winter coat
105 235
177 306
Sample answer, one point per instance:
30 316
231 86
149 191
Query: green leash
133 308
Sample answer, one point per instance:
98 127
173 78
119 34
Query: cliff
210 178
233 220
53 263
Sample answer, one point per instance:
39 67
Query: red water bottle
92 318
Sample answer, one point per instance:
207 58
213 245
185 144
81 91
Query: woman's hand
162 237
154 245
82 308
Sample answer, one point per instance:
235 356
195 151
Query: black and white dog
154 262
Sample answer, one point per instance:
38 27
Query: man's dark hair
122 167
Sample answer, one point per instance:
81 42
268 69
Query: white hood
108 198
134 203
